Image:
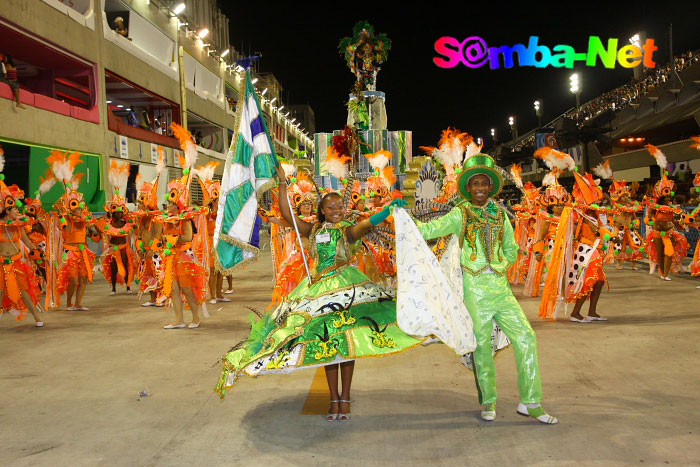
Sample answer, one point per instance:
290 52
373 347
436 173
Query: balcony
50 78
152 114
143 39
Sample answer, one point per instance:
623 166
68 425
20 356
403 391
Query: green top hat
480 164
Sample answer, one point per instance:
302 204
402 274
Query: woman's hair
321 216
301 204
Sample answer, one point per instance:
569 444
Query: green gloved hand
381 216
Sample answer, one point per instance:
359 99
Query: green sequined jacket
486 235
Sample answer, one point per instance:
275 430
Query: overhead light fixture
254 81
109 102
264 92
179 8
120 106
203 33
225 52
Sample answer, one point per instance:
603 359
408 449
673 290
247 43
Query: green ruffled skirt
339 318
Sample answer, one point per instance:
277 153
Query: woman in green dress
341 315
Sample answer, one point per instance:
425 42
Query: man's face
480 186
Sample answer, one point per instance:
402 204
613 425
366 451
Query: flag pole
301 245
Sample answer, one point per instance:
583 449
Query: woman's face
172 208
333 209
305 208
360 205
557 209
13 213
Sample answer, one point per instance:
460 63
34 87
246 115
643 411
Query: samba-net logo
474 53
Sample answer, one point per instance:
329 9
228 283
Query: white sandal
343 417
331 417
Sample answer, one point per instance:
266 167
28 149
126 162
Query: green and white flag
249 171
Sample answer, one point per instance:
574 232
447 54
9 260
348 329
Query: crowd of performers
566 238
355 273
165 254
357 277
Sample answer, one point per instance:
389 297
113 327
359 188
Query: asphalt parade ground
625 391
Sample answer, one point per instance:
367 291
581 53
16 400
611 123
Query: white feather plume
549 179
379 160
603 171
450 154
190 155
289 169
472 150
161 161
46 185
118 175
337 168
62 171
139 182
2 161
206 172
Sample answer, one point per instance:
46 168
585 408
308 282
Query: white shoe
213 301
489 412
71 308
228 291
193 325
223 299
698 287
666 278
596 318
148 304
537 413
113 293
175 326
652 268
586 319
40 324
128 291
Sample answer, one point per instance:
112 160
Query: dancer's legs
82 285
346 371
595 295
177 303
72 285
192 302
114 269
332 379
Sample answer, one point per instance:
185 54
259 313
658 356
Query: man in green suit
488 248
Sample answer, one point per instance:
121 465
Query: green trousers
489 297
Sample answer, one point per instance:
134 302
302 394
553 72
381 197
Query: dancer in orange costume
667 247
149 261
629 244
552 202
19 286
525 226
210 200
184 241
693 220
70 260
119 262
34 209
576 266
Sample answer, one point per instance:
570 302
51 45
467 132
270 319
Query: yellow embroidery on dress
344 320
381 340
328 350
279 362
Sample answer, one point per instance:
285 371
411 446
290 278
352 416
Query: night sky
299 45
